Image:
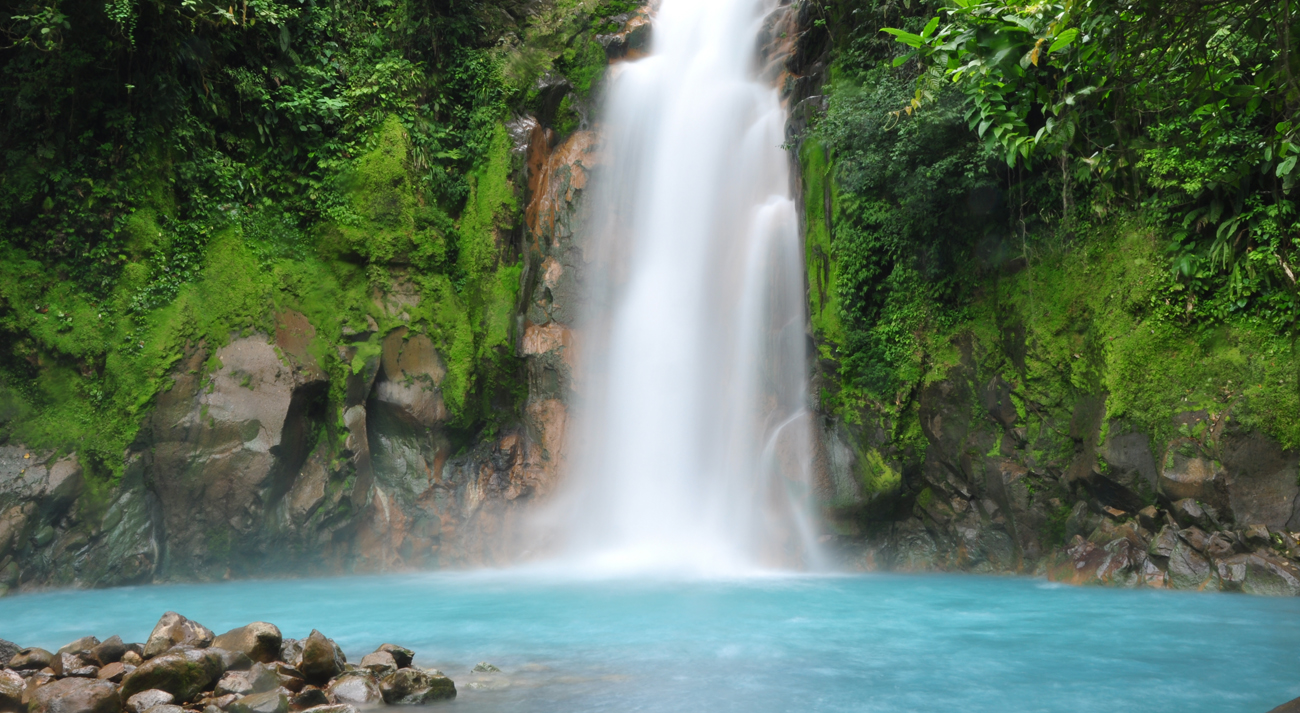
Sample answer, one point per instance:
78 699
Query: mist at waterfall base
887 643
692 446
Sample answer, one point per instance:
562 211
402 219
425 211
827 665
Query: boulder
1196 478
11 690
132 656
379 663
273 701
258 641
402 655
34 683
291 651
232 660
1162 545
166 708
1292 706
83 645
1256 535
144 700
309 697
1195 537
8 650
1188 569
76 695
36 659
175 630
79 671
182 673
115 672
234 682
1221 544
322 659
1189 513
359 688
1267 574
412 686
110 651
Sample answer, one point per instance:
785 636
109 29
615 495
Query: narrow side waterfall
693 441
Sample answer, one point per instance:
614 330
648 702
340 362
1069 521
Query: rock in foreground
185 668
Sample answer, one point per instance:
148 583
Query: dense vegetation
177 171
1111 182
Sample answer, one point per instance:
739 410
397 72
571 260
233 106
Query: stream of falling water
693 437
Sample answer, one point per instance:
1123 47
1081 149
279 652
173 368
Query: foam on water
882 643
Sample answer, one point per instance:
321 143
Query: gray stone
360 688
1162 545
76 695
8 650
322 659
115 672
1195 537
332 708
1188 569
412 686
36 659
166 708
234 682
485 667
258 641
175 630
274 701
309 697
291 651
110 651
182 672
379 663
232 660
11 690
401 655
84 644
144 700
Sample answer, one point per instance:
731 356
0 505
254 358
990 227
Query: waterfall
693 438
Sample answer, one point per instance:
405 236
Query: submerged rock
412 686
76 695
401 655
485 667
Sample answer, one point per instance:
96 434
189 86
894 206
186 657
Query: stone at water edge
332 708
485 667
174 630
360 688
412 686
275 701
76 695
84 644
380 663
184 674
401 655
259 641
11 690
291 651
322 659
309 697
35 659
166 708
8 650
1292 706
110 651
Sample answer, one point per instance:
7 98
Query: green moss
924 498
819 191
876 475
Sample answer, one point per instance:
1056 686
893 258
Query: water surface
884 643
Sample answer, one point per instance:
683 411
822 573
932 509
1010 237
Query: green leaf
898 61
1063 40
930 27
906 38
1286 166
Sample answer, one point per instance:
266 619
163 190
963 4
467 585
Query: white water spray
692 450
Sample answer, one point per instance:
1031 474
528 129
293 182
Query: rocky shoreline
185 668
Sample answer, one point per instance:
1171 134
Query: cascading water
692 449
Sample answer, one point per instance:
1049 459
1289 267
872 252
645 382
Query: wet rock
322 659
1267 574
332 708
275 701
359 688
1221 544
412 686
82 645
1162 545
76 695
1195 537
1149 517
1189 513
217 702
485 667
258 641
175 630
234 682
182 673
11 690
401 655
8 650
291 651
144 700
1188 569
1292 706
35 659
115 672
309 697
80 671
379 663
109 651
288 677
232 660
1256 535
166 708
